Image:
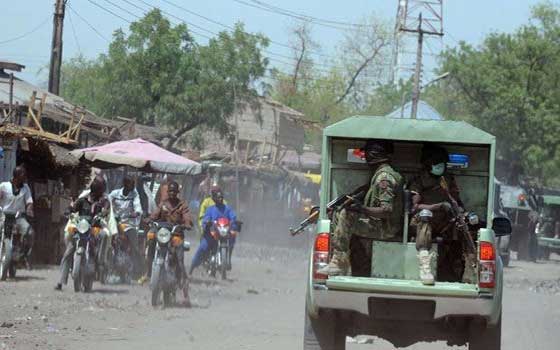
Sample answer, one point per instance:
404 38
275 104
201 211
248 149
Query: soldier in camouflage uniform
379 217
429 193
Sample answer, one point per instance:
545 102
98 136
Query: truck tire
323 333
489 338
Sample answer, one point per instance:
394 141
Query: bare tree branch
362 50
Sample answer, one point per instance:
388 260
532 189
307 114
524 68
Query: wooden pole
56 47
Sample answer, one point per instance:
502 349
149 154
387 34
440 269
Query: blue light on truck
457 160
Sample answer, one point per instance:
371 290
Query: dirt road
260 307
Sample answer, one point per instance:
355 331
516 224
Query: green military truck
392 303
548 230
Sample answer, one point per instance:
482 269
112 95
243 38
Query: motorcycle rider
213 213
174 211
127 207
15 197
207 203
92 204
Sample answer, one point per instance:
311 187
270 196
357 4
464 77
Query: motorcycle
11 246
165 270
121 260
220 256
83 267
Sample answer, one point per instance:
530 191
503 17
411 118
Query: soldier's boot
469 274
338 266
425 263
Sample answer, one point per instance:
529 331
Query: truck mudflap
402 287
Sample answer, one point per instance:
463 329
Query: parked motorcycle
11 246
220 256
83 267
165 269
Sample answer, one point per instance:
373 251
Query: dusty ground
261 307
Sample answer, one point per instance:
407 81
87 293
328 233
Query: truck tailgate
396 286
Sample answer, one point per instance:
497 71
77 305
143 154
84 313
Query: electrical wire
27 33
89 24
338 25
75 36
109 11
181 20
121 8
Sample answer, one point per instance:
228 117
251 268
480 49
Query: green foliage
509 87
159 75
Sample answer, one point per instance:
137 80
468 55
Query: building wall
274 126
8 161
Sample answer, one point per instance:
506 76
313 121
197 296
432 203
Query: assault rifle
460 222
338 203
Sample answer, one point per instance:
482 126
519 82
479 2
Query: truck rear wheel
323 332
489 338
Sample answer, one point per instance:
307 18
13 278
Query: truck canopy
341 174
367 127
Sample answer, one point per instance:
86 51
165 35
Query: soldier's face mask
438 169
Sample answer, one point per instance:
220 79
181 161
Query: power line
109 11
121 8
220 24
86 22
327 70
299 16
199 27
27 33
74 34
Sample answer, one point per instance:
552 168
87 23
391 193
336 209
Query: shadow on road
110 291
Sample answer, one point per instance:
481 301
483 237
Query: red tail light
487 267
321 255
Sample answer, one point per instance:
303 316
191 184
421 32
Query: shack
37 130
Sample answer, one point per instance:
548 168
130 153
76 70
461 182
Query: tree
508 86
159 75
336 88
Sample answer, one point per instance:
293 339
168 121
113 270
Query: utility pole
410 21
417 71
56 49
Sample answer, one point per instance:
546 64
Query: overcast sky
27 24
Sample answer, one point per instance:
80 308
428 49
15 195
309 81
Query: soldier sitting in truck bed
380 216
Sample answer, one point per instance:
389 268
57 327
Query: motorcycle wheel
88 284
4 261
223 266
77 273
155 296
169 298
213 269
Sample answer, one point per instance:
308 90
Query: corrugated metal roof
56 105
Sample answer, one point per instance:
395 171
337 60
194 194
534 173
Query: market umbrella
138 154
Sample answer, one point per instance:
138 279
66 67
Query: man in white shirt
127 208
126 202
16 199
